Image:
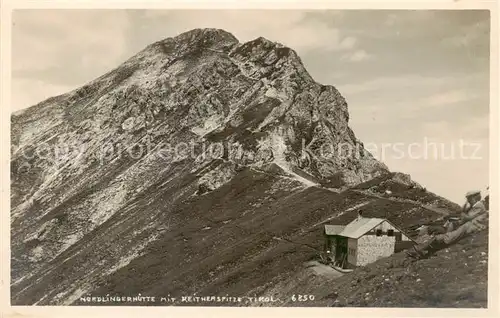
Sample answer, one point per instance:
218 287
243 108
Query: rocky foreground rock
199 166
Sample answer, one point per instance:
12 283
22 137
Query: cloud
380 83
54 51
358 56
348 43
474 128
58 42
449 178
470 35
448 97
391 19
288 27
453 85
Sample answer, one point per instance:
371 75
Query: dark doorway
341 252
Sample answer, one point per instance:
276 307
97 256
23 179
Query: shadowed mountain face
200 165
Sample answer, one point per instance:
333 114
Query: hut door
333 246
341 249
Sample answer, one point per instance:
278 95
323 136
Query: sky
416 81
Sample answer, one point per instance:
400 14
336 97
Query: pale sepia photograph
250 157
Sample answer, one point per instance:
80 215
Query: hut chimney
360 214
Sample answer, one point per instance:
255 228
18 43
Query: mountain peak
192 40
208 33
256 94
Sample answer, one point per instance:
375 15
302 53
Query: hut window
378 232
390 232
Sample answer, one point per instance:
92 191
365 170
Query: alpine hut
363 241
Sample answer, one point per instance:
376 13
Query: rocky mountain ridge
177 171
